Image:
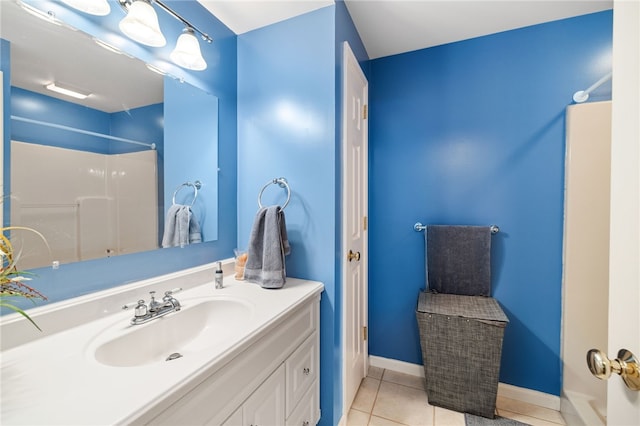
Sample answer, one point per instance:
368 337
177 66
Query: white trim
529 396
395 365
343 419
578 409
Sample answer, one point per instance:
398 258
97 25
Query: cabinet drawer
301 371
307 413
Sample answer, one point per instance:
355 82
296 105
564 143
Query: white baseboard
395 365
529 396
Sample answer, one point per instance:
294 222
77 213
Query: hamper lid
474 307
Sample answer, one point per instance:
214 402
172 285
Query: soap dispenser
218 275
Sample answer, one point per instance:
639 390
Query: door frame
348 55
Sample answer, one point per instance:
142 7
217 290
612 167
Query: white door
354 220
623 405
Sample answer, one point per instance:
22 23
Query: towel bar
282 182
196 185
420 227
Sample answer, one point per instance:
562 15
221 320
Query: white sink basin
199 325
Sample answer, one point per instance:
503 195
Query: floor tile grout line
530 416
375 398
382 379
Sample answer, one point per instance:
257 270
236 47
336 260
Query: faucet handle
168 295
132 305
173 291
141 309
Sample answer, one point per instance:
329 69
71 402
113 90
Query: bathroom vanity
239 355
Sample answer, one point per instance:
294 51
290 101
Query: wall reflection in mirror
89 173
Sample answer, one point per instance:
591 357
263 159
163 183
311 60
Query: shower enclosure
586 259
87 205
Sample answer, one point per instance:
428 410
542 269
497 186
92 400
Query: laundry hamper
461 340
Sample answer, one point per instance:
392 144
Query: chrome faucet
155 309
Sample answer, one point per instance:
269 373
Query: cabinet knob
305 423
306 371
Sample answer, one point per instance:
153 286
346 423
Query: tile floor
390 398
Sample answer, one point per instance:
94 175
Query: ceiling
43 52
389 27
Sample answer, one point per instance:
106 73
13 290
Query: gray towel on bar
181 227
268 245
458 259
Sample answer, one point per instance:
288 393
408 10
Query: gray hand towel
458 259
181 228
195 235
268 245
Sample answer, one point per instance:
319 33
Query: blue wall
218 79
286 128
142 124
191 121
473 133
287 115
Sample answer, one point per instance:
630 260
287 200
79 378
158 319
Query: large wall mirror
97 176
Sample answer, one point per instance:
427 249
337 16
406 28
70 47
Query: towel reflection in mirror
181 227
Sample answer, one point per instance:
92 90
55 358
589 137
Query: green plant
12 281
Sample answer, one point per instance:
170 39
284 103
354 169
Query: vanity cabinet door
265 407
301 371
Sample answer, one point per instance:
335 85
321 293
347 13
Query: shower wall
87 205
586 258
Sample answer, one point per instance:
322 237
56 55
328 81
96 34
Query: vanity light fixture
92 7
187 52
67 90
141 24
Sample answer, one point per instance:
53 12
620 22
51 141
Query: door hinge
364 112
364 333
364 223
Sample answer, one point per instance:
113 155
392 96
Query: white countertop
57 380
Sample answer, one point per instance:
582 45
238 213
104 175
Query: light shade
187 52
141 24
92 7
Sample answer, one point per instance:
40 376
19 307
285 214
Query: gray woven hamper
461 341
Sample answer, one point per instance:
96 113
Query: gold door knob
353 256
626 365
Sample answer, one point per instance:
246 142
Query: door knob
351 256
626 365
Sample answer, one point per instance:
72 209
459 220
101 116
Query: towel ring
196 185
282 182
